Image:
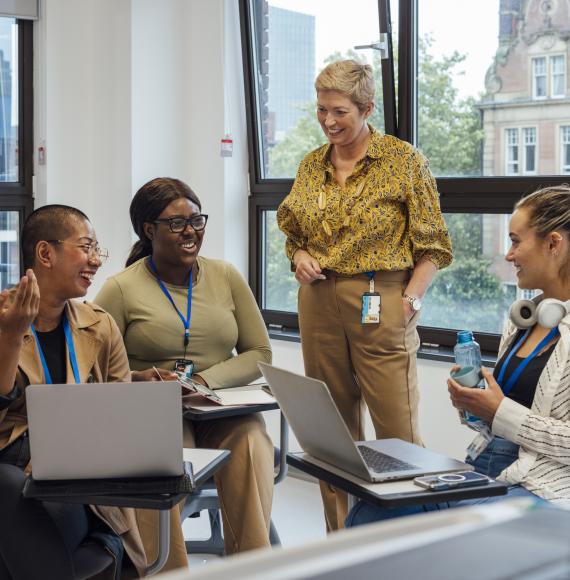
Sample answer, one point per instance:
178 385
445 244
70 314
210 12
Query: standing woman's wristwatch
414 301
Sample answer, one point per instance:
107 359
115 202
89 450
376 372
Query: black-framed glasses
179 224
92 250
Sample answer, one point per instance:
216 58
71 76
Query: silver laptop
105 430
322 433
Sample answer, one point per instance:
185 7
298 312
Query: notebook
310 410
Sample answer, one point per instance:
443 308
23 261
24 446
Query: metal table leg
163 543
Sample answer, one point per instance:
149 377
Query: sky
468 27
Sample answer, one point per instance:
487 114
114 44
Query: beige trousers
361 363
245 488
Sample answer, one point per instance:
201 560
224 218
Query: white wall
133 89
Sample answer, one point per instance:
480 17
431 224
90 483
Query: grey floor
297 515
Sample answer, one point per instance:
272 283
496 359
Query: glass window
565 149
512 156
558 71
9 249
279 284
294 40
9 116
539 77
529 135
475 291
466 97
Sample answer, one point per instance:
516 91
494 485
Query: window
539 77
558 74
553 67
515 163
16 151
565 150
463 97
529 135
512 151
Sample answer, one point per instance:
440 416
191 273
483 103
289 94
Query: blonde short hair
351 78
549 211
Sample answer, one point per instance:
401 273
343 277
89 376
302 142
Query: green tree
450 133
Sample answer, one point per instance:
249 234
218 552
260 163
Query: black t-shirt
53 346
524 388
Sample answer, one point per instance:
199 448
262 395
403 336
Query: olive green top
227 334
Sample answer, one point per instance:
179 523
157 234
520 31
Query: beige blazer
101 357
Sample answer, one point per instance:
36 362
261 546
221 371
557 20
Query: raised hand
19 310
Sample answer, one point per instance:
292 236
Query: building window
521 151
539 77
529 136
553 67
512 151
558 76
565 150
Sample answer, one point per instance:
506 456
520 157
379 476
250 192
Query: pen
159 375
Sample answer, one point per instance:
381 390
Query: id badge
479 444
184 367
370 308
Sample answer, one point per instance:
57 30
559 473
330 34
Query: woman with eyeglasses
172 305
48 337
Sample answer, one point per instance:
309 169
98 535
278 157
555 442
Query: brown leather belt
394 275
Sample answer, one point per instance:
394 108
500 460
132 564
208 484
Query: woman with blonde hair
365 236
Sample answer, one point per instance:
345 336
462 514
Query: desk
205 463
391 494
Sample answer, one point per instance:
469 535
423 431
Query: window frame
561 132
488 195
551 59
18 195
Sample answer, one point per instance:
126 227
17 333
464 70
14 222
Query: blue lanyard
70 349
524 363
185 321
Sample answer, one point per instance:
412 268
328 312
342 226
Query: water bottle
468 356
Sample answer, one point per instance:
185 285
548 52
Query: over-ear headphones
548 313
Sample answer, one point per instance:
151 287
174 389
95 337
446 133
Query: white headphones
548 313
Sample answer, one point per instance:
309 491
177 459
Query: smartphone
190 386
451 480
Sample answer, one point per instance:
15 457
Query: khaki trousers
245 488
361 363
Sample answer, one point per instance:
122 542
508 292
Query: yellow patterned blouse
386 217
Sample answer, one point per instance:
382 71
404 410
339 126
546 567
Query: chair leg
273 535
215 543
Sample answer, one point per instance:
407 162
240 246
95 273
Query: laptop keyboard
382 463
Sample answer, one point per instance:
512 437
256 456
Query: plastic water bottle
468 356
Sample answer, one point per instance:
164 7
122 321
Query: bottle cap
464 336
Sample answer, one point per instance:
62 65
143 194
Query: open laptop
105 430
322 433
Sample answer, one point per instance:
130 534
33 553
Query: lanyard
371 281
523 364
70 349
185 321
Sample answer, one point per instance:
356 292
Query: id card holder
184 367
370 308
480 443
